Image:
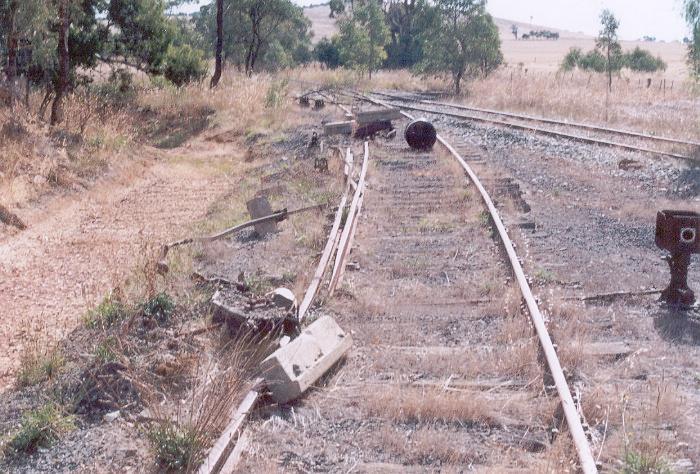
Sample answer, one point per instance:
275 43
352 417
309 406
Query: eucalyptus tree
607 42
463 43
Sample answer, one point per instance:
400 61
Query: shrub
184 64
642 60
176 447
572 59
160 307
107 313
326 52
592 61
39 429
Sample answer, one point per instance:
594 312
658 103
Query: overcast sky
660 18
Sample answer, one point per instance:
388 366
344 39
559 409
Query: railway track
597 135
445 370
573 418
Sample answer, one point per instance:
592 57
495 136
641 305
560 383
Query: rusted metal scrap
277 216
678 232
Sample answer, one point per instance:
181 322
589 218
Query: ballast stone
293 368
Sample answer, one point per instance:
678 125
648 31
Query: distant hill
505 25
321 24
324 27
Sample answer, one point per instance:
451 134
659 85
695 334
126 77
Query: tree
252 28
23 27
219 54
514 30
692 16
337 8
608 44
63 61
327 52
143 32
464 43
363 36
407 21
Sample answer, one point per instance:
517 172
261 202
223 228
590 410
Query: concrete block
378 115
260 207
293 368
339 128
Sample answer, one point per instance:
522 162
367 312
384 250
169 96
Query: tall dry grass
670 106
106 125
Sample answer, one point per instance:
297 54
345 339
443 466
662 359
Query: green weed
176 447
39 429
107 313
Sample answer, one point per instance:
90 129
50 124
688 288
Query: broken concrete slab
339 128
292 369
241 313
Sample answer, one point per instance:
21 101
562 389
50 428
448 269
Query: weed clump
105 352
37 366
159 307
639 463
176 447
110 311
39 429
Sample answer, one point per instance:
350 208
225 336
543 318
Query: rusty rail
544 131
573 419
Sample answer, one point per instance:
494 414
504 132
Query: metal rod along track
573 420
544 131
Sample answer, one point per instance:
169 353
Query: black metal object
420 134
679 233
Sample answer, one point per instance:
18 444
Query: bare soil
79 248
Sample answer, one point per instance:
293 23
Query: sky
659 18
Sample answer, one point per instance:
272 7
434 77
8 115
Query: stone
293 368
111 416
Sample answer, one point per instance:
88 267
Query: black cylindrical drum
420 134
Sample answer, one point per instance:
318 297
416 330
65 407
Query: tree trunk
457 81
11 69
219 43
63 63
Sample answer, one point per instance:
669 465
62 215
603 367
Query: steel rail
543 131
532 118
573 419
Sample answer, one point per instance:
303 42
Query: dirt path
69 259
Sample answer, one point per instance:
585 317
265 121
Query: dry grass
409 405
104 129
581 96
512 360
427 445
